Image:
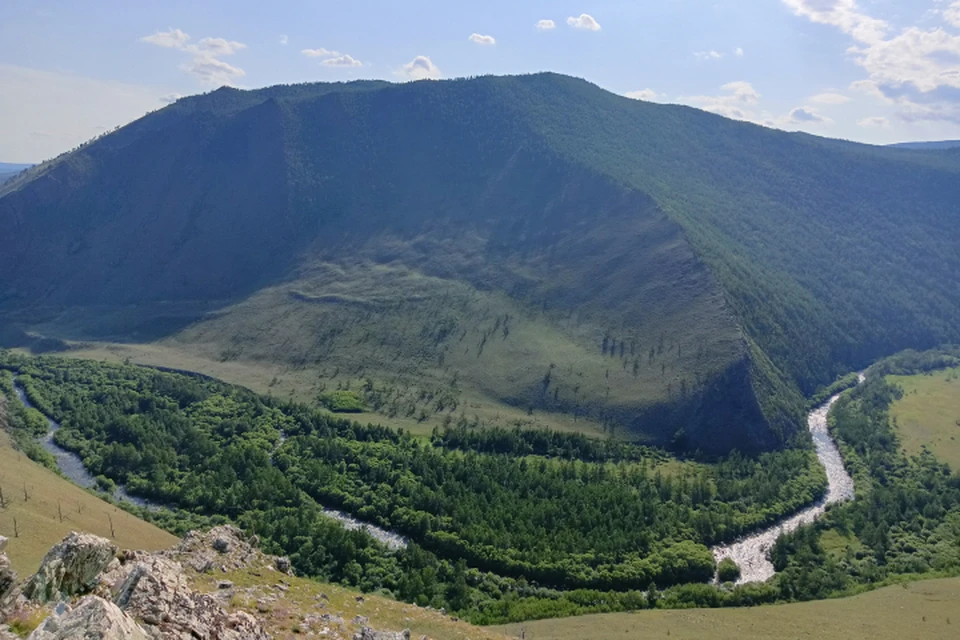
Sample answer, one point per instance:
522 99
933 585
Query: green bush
342 401
728 571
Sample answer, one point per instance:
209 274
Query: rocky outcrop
72 567
154 590
369 634
223 548
92 619
8 582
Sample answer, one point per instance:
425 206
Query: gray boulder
8 587
155 591
92 619
72 567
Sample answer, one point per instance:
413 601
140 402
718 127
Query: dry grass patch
47 507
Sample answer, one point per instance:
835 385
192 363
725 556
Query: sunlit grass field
47 507
928 610
928 415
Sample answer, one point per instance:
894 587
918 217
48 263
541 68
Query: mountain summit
535 241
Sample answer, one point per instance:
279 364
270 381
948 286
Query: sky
876 71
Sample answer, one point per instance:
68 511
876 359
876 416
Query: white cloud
917 70
951 15
585 21
829 97
344 61
546 25
738 52
212 70
484 40
844 14
62 109
170 98
736 100
648 95
205 64
875 122
220 47
805 115
708 55
420 68
172 39
320 53
284 40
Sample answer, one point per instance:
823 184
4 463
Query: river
70 463
71 466
751 553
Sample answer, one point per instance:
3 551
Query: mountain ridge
476 192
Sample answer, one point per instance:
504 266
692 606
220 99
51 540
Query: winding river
71 465
751 553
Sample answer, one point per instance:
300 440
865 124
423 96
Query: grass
927 609
299 602
928 415
303 384
39 519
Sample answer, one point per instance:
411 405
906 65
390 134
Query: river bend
751 553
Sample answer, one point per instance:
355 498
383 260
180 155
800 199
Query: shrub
342 401
728 571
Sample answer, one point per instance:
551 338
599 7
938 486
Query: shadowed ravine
751 553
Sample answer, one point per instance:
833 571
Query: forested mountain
535 239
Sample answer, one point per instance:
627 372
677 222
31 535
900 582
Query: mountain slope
531 241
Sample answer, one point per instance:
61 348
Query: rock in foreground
72 567
92 619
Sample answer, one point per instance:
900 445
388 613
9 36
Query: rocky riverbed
751 553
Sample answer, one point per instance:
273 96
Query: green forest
504 525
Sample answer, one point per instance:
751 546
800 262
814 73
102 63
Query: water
391 539
752 552
71 465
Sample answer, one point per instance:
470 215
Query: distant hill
8 170
941 144
535 241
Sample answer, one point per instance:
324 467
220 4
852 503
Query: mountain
534 242
940 144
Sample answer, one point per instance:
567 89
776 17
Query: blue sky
876 71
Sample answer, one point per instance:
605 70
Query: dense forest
504 525
540 515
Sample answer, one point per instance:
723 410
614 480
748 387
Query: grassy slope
283 617
928 415
38 519
303 384
927 609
